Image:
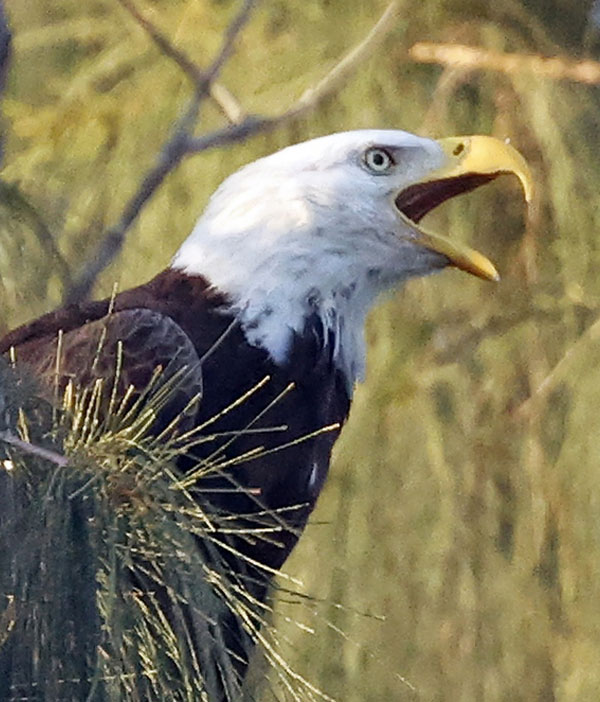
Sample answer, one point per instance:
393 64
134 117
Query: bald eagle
272 289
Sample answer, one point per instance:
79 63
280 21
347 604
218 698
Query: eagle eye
378 160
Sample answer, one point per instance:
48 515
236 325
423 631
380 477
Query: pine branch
137 587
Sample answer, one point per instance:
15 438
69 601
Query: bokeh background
455 552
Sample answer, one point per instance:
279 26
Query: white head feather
311 229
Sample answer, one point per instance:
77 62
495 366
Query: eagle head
322 228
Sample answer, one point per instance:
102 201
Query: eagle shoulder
130 348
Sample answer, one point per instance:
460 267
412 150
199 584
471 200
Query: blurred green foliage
466 518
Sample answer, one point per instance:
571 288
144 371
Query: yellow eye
378 160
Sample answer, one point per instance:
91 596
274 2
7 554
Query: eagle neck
279 318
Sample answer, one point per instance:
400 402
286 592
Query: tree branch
311 98
11 194
201 80
170 155
182 141
32 450
559 373
192 71
476 58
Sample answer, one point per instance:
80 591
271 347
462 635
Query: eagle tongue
419 199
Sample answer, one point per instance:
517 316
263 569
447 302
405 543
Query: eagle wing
130 352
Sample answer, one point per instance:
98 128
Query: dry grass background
464 501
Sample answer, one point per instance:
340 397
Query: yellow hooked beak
471 162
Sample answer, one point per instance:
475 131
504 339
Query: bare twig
560 371
231 34
11 195
344 68
227 103
32 450
475 58
201 80
182 142
311 98
192 71
169 157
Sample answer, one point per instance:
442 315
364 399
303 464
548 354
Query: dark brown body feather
176 321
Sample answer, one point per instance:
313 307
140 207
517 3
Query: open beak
471 161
